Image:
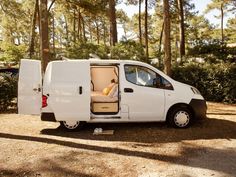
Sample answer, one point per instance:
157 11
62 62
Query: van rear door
29 87
69 90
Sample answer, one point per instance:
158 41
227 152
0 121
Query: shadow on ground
153 132
190 155
150 134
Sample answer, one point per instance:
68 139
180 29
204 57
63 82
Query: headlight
195 91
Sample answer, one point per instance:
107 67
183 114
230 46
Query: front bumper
199 107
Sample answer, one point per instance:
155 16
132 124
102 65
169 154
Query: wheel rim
182 118
71 124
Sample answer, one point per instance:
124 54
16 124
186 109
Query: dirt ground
29 147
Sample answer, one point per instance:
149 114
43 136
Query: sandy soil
29 147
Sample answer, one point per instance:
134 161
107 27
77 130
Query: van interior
104 90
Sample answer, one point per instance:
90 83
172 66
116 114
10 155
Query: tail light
44 101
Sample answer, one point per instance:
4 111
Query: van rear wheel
72 125
180 117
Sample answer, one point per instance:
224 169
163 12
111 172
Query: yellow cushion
106 90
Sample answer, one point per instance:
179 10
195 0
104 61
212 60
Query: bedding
98 96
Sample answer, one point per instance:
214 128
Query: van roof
101 61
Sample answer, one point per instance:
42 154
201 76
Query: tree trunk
74 25
97 31
167 43
161 36
222 22
79 25
113 28
181 29
33 34
39 17
90 31
104 31
44 42
160 43
83 26
53 33
139 21
67 31
146 29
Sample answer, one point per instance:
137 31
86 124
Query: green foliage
128 50
203 47
214 51
82 50
12 52
230 30
123 50
215 82
218 5
8 91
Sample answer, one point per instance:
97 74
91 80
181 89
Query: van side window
166 84
143 76
139 75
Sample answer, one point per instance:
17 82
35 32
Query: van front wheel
71 125
180 117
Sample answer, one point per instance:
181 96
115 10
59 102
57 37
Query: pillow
113 90
106 91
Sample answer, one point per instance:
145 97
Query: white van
77 91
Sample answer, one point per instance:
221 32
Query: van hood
186 89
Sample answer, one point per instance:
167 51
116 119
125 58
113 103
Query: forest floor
29 147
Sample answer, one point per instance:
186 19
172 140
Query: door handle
128 90
80 90
37 89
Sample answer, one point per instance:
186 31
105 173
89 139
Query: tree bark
67 31
160 44
53 34
33 34
146 29
139 21
222 22
90 31
97 31
74 25
44 42
38 19
113 28
161 36
83 26
79 25
181 29
104 31
167 43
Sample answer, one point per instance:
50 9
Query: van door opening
104 90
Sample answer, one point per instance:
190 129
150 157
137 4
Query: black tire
180 117
78 126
